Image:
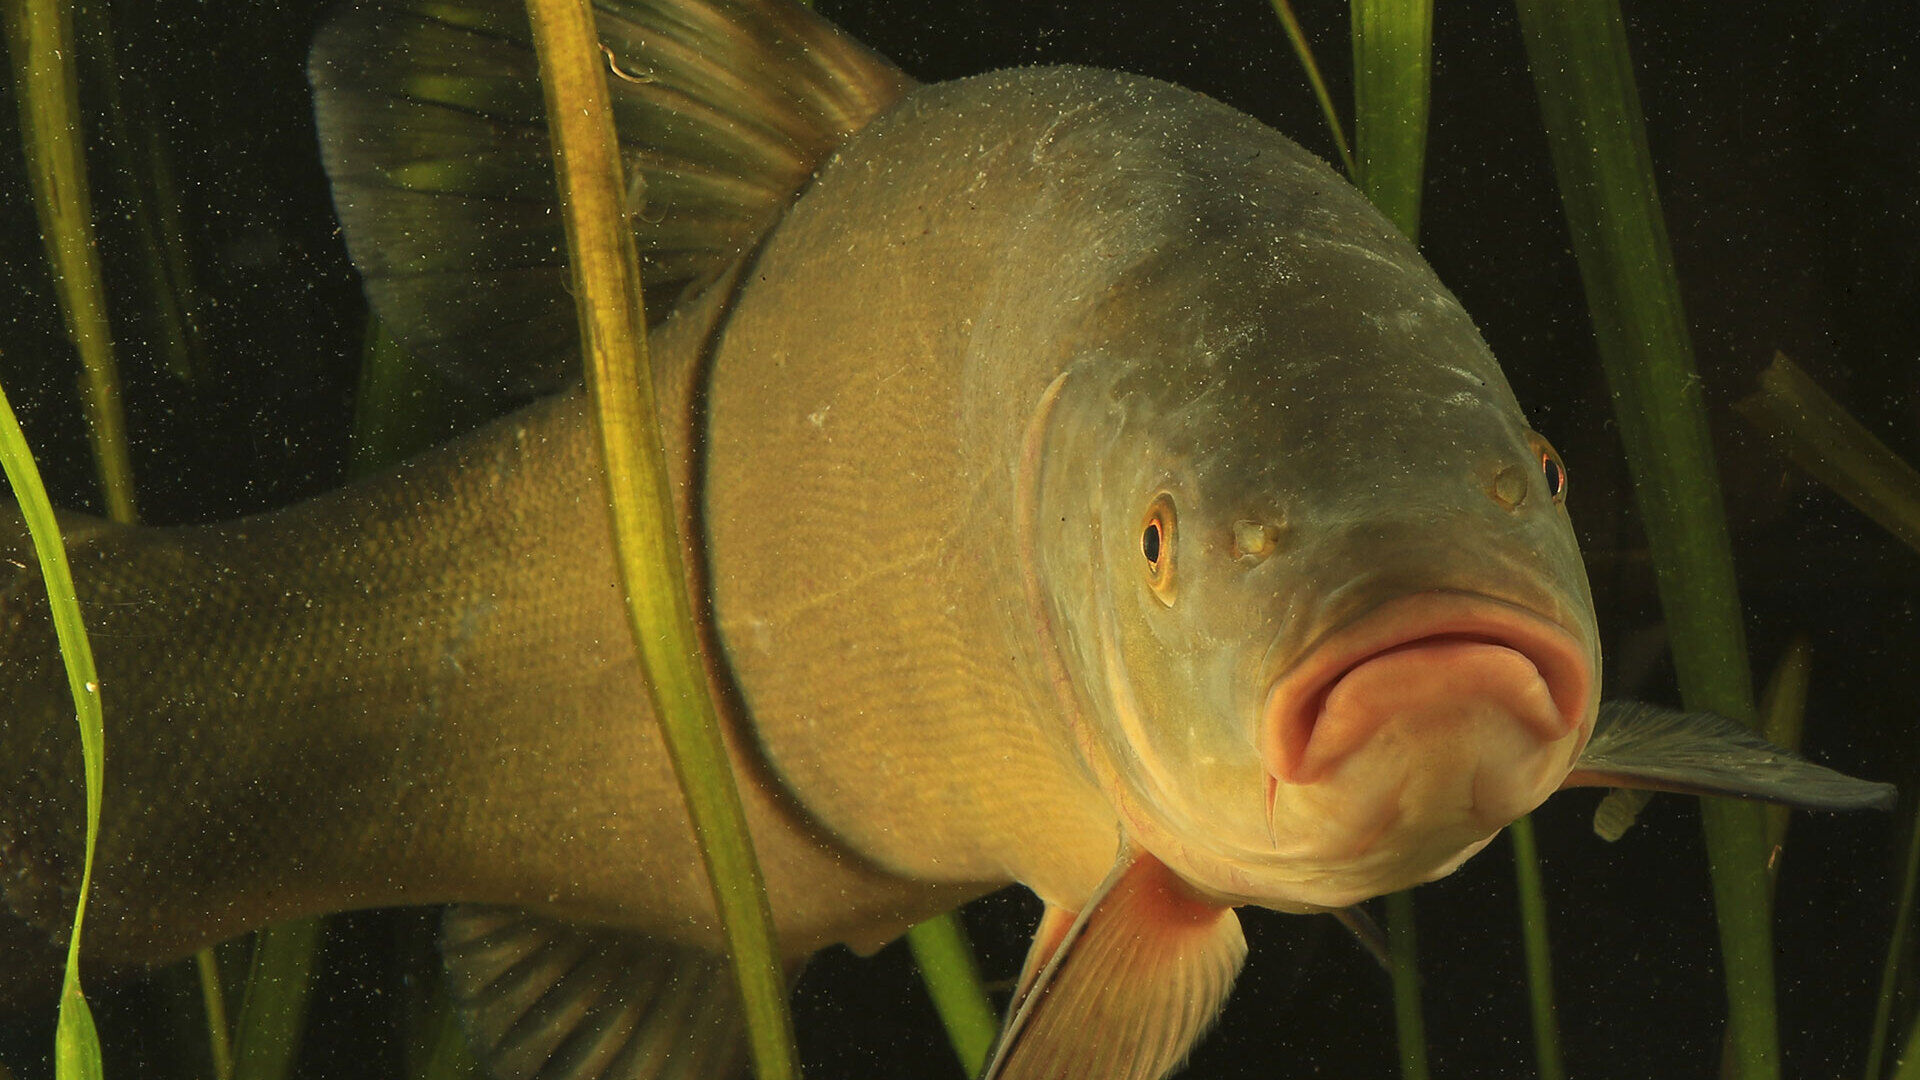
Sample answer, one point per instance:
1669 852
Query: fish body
1081 485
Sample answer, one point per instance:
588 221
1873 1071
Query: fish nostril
1509 487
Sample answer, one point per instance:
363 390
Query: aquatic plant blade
1392 79
1410 1024
1583 76
274 1012
947 966
604 267
40 41
1834 448
1304 52
76 1043
1533 936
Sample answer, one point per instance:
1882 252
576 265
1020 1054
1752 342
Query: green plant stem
274 1010
1834 448
946 962
1583 75
1533 932
76 1043
1298 38
213 995
40 40
1409 1022
1392 70
1890 968
606 288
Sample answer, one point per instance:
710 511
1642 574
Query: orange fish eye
1555 472
1156 544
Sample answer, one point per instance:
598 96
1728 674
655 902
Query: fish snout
1444 697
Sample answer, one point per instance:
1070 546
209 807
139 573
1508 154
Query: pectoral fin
546 1000
1636 745
1127 988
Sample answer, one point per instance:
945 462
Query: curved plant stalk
1837 450
606 288
1908 1062
1583 75
946 963
1298 38
40 40
1533 934
76 1054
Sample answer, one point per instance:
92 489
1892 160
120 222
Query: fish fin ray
1129 988
432 130
547 1000
1366 932
1637 745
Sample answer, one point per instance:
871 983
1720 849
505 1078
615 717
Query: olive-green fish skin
417 689
988 365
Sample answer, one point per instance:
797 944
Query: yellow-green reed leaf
1301 49
1392 78
76 1045
1533 931
947 966
213 997
41 42
606 289
1409 1020
1834 448
274 1011
1583 75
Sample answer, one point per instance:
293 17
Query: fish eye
1555 472
1156 544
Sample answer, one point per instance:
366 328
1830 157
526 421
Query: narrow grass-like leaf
1783 720
213 996
143 171
605 274
40 41
1533 935
1301 49
1583 75
946 962
274 1010
1409 1020
1837 450
1392 76
1890 968
76 1043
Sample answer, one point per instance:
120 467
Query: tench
1083 487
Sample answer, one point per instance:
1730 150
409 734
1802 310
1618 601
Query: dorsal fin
431 127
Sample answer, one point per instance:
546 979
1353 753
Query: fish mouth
1430 656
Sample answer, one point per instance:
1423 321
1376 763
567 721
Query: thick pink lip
1295 700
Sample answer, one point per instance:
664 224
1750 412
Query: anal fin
547 1000
1128 988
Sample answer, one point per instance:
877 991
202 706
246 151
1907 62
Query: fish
1082 487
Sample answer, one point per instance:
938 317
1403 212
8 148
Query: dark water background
1785 135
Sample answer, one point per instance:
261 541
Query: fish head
1308 571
